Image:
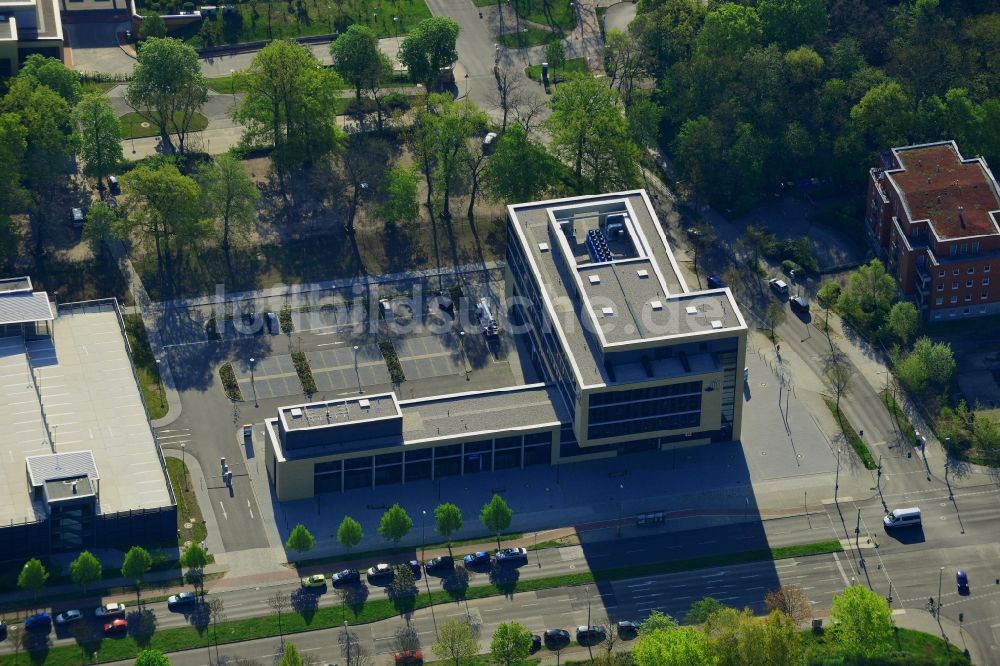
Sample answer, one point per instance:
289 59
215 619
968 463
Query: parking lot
333 370
430 356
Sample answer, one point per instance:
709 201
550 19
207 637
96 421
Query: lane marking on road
840 568
329 344
249 508
224 514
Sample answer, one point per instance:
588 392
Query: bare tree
16 637
790 600
701 237
774 316
529 113
476 159
611 637
217 612
405 639
279 603
508 93
353 652
839 374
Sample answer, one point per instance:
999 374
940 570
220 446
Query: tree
163 207
790 600
701 609
229 196
511 644
300 540
590 132
395 524
840 374
167 88
289 104
698 147
740 639
520 169
774 316
883 117
291 657
496 516
428 48
456 642
365 160
53 74
624 64
152 26
508 95
349 533
644 116
151 657
448 520
729 31
195 558
100 137
85 569
827 297
217 613
404 583
279 603
868 295
656 621
928 365
33 576
672 646
16 636
448 127
136 565
793 22
13 144
400 195
903 321
862 621
357 58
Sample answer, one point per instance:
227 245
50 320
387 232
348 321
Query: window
972 270
940 274
986 282
940 286
938 301
953 250
968 283
975 246
417 470
968 297
954 299
983 296
965 248
965 311
955 272
954 285
986 268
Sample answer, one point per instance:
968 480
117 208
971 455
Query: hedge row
392 361
228 376
304 372
285 317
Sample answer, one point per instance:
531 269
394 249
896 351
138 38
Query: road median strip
305 605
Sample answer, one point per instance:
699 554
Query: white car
68 616
779 287
512 555
110 610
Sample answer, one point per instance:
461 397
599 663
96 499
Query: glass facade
648 409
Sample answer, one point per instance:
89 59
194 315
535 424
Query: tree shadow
88 638
404 601
305 602
505 579
37 645
199 617
354 597
456 582
141 626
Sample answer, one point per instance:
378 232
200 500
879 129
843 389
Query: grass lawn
132 125
99 87
897 412
556 15
572 66
262 21
530 36
145 366
188 510
224 85
929 648
851 433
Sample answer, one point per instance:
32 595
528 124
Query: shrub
304 372
788 266
392 361
397 101
285 317
228 376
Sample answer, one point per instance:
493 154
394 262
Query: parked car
591 635
409 658
66 617
272 323
182 599
38 622
778 286
3 630
536 643
77 217
114 185
118 627
962 582
512 555
345 577
489 141
381 573
715 282
315 580
414 567
477 559
110 610
442 563
627 629
799 303
556 639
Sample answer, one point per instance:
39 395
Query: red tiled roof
934 182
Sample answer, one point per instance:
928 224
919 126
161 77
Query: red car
117 627
410 658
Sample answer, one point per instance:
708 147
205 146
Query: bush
392 361
789 267
304 372
285 317
396 101
228 376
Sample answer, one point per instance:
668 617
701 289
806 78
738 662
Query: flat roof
22 307
44 468
933 181
332 413
15 284
472 415
624 300
93 403
68 488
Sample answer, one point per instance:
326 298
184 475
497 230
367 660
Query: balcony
923 281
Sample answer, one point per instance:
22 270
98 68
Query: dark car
381 574
3 630
182 600
118 627
414 567
591 635
114 185
799 304
715 282
512 555
38 622
627 629
962 582
442 563
536 643
556 639
477 559
345 577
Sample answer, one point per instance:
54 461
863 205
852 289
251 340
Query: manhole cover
188 526
763 453
144 124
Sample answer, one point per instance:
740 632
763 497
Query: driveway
95 47
619 16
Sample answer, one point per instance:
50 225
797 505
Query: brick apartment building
934 219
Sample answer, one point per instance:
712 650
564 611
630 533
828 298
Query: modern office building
632 359
934 219
79 466
27 27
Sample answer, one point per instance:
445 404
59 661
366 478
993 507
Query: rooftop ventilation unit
656 305
716 323
691 310
595 279
608 312
543 247
642 272
365 403
296 413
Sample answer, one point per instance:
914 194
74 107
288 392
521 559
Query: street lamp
940 580
159 384
184 464
466 85
347 639
423 525
356 371
252 384
465 356
232 84
395 28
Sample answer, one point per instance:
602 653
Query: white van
902 518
